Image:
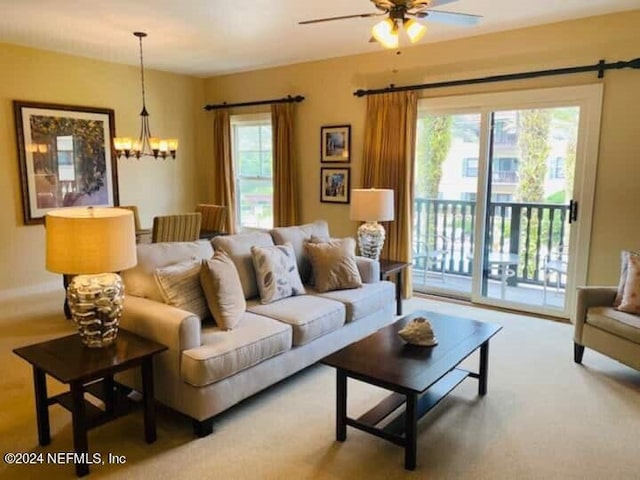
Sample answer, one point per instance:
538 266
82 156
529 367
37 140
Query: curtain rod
600 67
287 99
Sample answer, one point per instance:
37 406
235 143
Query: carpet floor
544 417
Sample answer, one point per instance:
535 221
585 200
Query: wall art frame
66 157
335 144
335 185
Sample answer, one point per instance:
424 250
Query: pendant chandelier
145 145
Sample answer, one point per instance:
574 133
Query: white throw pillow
180 287
631 297
624 262
277 273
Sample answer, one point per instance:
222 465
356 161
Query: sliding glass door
499 179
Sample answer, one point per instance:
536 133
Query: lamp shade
90 240
372 205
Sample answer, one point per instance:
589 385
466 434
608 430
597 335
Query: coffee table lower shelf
402 429
395 430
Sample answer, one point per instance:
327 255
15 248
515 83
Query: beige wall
156 186
329 86
175 103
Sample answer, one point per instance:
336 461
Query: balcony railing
530 230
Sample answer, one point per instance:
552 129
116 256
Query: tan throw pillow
180 287
223 290
276 272
631 297
334 264
624 262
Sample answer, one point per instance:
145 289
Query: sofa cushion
222 290
238 247
140 280
364 301
297 236
334 264
180 287
309 316
226 352
624 325
276 272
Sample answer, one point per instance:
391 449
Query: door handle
573 211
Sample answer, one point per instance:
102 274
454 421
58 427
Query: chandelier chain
144 106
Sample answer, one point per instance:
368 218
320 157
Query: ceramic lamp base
371 239
96 303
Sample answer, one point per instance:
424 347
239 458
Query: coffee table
419 376
90 370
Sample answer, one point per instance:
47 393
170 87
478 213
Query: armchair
599 326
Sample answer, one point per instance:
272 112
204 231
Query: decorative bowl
418 332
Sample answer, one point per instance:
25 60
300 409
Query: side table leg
42 407
341 406
484 368
109 394
78 415
399 292
148 400
411 431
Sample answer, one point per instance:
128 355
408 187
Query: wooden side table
391 267
90 370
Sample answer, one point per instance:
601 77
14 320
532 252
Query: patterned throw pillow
334 264
180 287
631 297
276 272
222 289
624 262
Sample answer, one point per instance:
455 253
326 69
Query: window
253 161
501 197
469 196
470 167
505 170
556 168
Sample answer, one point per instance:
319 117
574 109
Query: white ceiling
211 37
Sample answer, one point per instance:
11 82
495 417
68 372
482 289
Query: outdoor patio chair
555 263
436 256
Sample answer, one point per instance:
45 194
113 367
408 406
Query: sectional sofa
207 369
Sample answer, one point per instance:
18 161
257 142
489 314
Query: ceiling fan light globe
415 30
386 33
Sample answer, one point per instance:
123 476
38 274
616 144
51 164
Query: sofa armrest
590 297
369 269
177 329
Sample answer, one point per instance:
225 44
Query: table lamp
92 243
371 205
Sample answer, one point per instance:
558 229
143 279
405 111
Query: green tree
434 142
533 135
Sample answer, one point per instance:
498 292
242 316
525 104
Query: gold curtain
388 162
285 178
225 190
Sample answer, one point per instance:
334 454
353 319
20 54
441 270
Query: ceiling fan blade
343 17
451 18
439 3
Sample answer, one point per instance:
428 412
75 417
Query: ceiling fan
403 13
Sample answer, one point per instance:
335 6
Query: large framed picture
66 157
335 143
335 185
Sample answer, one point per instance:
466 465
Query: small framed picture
335 185
335 143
